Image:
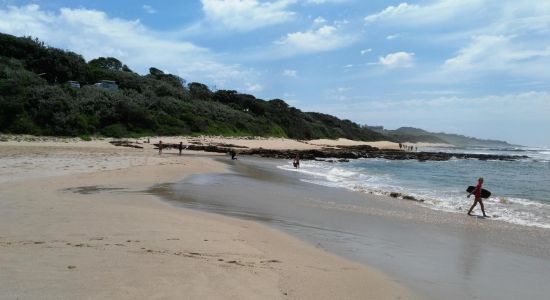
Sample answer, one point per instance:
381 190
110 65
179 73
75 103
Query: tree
200 91
107 63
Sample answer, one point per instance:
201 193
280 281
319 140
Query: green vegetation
85 137
35 98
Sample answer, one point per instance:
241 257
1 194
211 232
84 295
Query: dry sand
75 223
284 143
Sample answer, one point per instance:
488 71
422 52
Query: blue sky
474 67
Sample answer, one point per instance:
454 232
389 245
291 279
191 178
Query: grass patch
85 137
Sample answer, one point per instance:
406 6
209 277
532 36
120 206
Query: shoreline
67 232
437 254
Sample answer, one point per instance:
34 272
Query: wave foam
513 210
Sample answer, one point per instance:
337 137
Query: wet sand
439 255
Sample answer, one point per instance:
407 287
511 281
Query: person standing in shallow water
160 147
296 161
477 194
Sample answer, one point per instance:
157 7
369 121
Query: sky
475 67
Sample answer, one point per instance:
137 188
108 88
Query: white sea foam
514 210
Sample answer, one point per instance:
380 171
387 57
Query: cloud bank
245 15
93 33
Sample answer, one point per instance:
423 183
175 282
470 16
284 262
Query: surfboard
484 193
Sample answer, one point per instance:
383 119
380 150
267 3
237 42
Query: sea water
520 189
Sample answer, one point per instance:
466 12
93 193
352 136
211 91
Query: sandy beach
77 221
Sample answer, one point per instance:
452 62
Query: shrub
85 137
115 130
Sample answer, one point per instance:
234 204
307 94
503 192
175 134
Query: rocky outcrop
344 153
354 152
126 144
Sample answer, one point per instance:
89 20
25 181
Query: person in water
233 154
477 194
296 161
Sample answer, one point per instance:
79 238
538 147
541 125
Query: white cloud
149 9
244 15
397 60
434 11
342 89
498 17
365 51
254 87
338 93
325 38
290 73
323 1
93 33
392 36
392 11
498 52
319 20
481 49
489 36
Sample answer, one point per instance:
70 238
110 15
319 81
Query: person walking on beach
477 194
181 147
296 161
233 154
160 147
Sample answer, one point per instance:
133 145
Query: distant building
73 84
107 84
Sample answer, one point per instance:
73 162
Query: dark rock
125 144
345 153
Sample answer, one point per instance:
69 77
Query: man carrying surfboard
477 194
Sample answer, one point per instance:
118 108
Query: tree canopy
36 99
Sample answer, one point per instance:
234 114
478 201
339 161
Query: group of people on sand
161 146
408 147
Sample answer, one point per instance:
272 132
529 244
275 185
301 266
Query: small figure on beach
181 147
233 154
477 194
160 147
296 161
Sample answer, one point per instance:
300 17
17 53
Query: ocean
520 189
